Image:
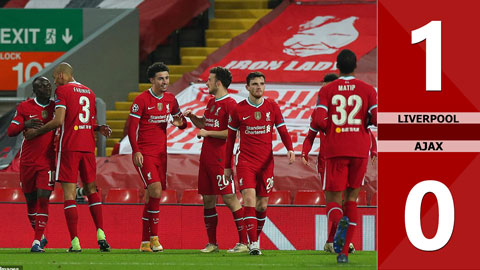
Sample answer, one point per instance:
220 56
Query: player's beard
212 91
257 94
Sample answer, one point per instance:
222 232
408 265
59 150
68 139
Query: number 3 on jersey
85 102
341 102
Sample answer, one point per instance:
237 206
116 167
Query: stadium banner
182 227
429 139
300 45
32 39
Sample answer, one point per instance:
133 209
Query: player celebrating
213 128
147 133
36 162
343 111
75 113
254 118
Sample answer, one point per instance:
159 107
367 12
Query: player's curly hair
156 67
223 75
346 61
253 75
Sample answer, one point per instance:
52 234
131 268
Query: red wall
180 226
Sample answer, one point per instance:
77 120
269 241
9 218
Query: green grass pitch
181 259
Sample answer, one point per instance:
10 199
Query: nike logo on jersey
31 116
222 188
245 118
149 108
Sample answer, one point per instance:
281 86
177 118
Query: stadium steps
123 105
222 33
232 18
241 13
143 86
190 60
217 42
194 51
241 4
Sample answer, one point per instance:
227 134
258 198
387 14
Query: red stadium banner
429 139
182 227
301 44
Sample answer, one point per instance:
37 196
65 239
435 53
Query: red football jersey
255 123
77 132
39 150
216 118
348 102
153 112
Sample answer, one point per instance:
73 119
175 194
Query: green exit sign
40 30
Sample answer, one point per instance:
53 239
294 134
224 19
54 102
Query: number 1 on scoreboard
432 33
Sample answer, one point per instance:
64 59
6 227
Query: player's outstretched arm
199 122
220 134
179 121
56 122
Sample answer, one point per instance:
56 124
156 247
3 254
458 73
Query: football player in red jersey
213 128
75 114
343 111
147 132
37 166
307 146
254 118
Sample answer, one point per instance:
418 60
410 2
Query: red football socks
261 216
352 214
95 206
71 216
334 214
242 232
251 223
211 220
31 212
145 224
41 218
153 211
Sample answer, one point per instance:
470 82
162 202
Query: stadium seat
191 196
373 200
362 198
11 195
309 197
239 196
169 196
279 197
122 196
57 194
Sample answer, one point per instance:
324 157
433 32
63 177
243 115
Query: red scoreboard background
429 134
